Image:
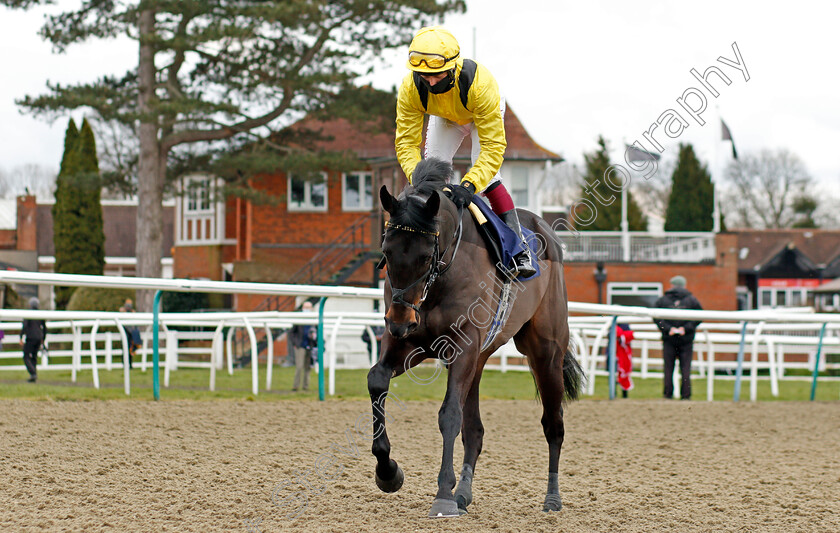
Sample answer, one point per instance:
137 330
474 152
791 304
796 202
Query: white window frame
774 296
511 171
204 220
307 196
633 288
201 195
364 175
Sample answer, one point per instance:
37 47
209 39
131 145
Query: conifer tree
691 202
212 72
78 235
606 200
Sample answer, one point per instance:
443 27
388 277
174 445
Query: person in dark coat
304 342
677 337
32 336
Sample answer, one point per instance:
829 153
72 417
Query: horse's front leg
389 476
450 417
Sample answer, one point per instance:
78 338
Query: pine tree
691 202
607 201
211 72
78 236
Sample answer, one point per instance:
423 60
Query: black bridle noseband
434 271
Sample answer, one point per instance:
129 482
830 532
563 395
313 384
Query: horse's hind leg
472 435
546 359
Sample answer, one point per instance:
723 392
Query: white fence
772 349
93 349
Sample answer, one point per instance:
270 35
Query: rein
434 271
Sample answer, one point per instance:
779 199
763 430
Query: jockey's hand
461 195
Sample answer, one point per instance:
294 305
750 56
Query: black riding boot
522 261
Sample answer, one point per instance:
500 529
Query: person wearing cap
677 337
32 336
462 99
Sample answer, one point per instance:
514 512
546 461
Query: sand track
212 466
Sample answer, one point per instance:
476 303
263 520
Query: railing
588 333
671 247
78 338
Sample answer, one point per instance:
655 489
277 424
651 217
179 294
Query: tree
602 189
78 236
765 187
213 71
691 202
29 178
804 207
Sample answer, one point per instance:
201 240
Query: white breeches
444 137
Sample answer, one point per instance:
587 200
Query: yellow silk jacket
481 106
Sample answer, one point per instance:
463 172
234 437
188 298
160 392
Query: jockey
461 98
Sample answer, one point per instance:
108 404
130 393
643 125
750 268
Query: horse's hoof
391 485
552 503
462 503
444 509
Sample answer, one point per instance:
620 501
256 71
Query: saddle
502 242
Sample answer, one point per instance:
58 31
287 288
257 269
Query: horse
435 307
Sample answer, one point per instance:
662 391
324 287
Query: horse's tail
572 375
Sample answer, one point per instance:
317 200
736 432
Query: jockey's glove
461 195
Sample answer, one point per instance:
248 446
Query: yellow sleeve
489 124
409 134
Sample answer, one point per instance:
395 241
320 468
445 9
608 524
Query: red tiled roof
376 144
820 246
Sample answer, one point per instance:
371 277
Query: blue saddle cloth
508 240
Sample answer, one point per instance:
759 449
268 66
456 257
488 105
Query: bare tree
652 192
118 151
29 178
764 187
561 185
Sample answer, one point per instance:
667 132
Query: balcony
644 247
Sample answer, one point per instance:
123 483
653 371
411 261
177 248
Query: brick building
319 231
26 239
711 269
782 268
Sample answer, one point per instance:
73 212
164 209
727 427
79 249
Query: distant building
781 268
320 231
28 244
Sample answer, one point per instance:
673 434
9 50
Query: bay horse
441 284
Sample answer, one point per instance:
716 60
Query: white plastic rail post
754 362
75 358
332 356
710 375
255 357
125 354
269 357
774 376
216 352
229 350
109 339
93 365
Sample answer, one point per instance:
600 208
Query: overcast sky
570 70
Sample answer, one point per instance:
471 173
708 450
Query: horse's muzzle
401 330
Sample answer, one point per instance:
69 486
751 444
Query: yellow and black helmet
432 50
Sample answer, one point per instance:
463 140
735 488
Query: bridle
435 270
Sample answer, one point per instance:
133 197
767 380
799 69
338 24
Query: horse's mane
430 175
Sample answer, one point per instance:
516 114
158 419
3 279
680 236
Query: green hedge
95 299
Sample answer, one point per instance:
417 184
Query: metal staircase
332 265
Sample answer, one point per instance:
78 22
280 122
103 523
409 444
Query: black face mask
443 85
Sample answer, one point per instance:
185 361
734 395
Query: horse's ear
432 205
386 199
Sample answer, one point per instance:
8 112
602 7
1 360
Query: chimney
27 223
